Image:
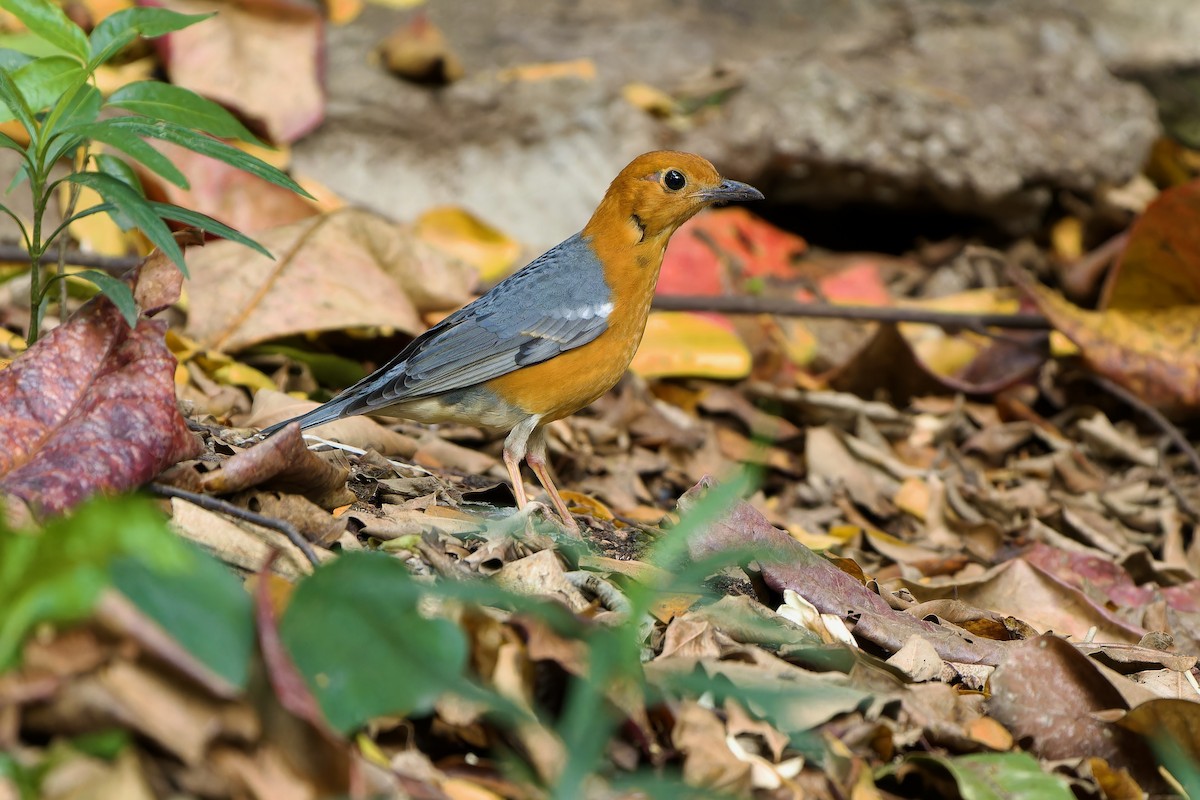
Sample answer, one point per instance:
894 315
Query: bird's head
660 191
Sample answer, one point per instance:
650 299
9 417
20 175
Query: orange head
660 191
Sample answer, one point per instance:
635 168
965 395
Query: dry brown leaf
1153 353
283 463
346 269
90 408
1047 693
246 547
259 57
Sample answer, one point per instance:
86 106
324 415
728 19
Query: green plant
54 98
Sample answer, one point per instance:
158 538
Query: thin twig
792 308
1163 424
111 264
210 503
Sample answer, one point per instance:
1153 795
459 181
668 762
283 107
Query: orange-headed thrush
555 335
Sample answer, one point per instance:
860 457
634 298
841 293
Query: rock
985 108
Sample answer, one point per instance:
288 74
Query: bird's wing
558 302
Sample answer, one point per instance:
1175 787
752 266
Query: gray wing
556 303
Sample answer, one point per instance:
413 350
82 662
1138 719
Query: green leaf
114 289
81 108
356 633
136 207
327 368
121 27
182 106
208 225
14 104
12 60
49 22
136 148
44 80
997 776
208 146
56 576
111 165
205 609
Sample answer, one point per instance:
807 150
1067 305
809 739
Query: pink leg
513 463
536 458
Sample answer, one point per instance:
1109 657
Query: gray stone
972 106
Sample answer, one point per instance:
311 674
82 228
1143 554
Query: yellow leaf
581 68
97 233
1067 236
239 374
399 3
342 12
463 235
183 348
587 504
813 541
15 131
649 99
12 341
680 343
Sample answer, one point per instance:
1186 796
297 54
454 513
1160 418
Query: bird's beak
730 191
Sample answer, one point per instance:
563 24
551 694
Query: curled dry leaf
259 57
1152 352
346 269
90 408
284 463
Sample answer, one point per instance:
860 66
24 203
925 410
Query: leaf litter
993 594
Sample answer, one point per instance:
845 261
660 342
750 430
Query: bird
555 335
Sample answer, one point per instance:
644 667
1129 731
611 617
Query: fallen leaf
241 298
1160 268
90 408
1151 352
579 68
717 252
1048 694
461 234
418 52
683 344
259 57
787 564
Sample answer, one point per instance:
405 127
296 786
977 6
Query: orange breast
566 383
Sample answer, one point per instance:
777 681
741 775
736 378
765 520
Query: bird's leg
514 450
513 463
536 458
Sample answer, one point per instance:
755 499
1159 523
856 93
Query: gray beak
730 191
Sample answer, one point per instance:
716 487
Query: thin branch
112 264
210 503
791 308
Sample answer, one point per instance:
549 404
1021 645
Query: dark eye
674 180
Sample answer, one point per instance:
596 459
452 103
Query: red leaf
90 408
715 253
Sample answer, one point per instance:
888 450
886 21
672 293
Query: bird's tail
334 409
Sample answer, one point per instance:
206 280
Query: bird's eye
674 180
